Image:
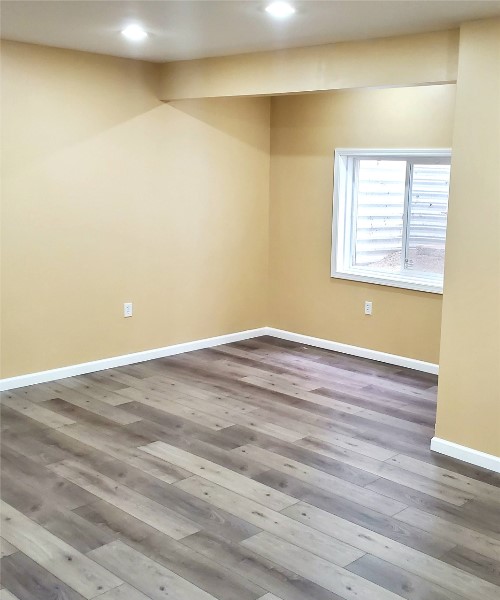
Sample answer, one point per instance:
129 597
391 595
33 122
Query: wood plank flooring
260 470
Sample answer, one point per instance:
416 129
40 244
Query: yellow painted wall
469 383
305 130
426 58
111 196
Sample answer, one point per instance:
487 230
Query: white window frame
344 217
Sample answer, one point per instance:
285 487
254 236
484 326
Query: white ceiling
192 29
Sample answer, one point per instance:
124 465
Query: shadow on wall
220 114
55 98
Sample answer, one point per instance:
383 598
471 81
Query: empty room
250 300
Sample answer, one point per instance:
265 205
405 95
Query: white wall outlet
368 307
127 309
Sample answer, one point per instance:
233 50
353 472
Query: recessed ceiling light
280 10
135 33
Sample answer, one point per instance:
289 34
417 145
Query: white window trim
342 212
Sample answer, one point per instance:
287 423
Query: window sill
407 283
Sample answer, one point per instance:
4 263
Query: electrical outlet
368 307
127 309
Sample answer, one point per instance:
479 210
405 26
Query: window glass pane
427 218
378 235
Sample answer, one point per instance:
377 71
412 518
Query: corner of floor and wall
213 216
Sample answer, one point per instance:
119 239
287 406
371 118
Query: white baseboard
468 455
474 457
391 359
129 359
126 359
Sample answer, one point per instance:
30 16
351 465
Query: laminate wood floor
258 470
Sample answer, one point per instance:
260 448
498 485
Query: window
389 217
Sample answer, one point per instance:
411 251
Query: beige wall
110 196
427 58
303 297
469 384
